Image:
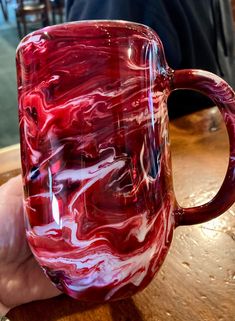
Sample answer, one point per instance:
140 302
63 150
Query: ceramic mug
99 203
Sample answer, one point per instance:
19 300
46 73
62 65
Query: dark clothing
195 34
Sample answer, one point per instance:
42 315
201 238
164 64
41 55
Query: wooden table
197 280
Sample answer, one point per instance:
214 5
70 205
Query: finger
14 186
12 242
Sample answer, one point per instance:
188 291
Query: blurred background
17 18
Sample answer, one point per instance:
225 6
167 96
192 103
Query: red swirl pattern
95 155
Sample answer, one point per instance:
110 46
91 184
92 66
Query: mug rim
119 22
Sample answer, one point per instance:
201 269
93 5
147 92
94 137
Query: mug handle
224 97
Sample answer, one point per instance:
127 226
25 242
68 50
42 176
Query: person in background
195 34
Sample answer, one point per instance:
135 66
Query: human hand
21 278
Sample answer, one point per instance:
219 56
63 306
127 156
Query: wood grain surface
197 279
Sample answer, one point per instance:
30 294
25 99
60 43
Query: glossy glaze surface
95 156
203 256
223 96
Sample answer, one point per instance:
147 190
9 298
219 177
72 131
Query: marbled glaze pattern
95 155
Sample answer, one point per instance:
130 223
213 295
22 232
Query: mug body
95 153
